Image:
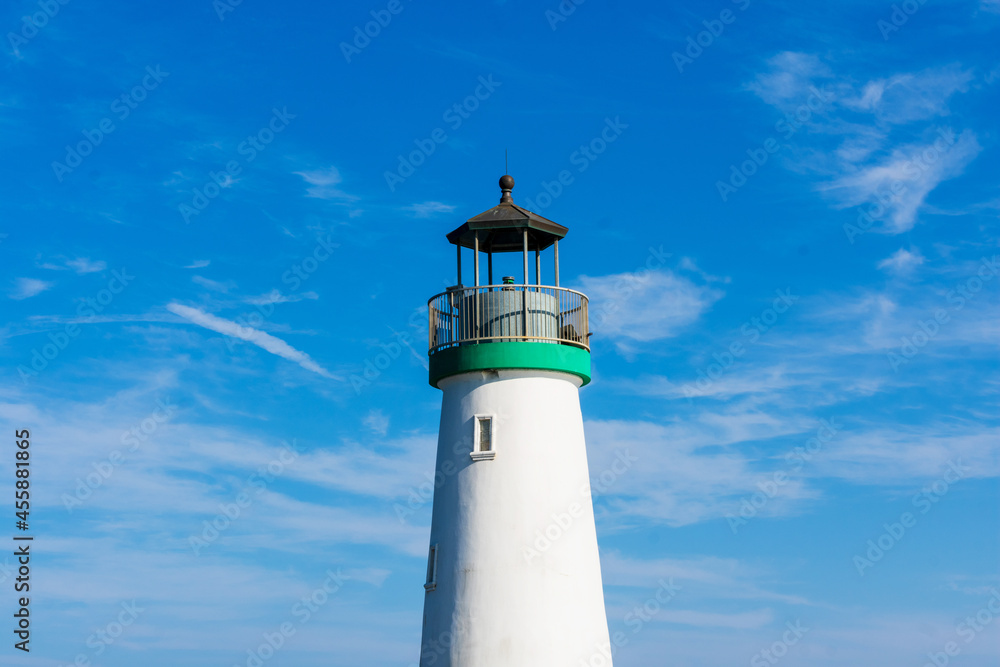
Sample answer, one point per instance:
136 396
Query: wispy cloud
428 209
274 296
902 262
904 455
866 141
790 77
213 285
908 97
755 380
259 338
377 421
694 472
702 468
198 264
25 288
644 307
787 79
85 265
903 179
323 184
80 265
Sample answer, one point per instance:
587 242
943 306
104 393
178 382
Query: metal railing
491 313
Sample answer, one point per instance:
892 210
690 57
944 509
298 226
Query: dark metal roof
502 227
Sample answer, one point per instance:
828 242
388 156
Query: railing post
524 292
475 291
556 251
456 332
560 319
524 310
525 237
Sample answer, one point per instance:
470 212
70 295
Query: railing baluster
524 312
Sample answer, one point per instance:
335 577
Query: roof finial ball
506 185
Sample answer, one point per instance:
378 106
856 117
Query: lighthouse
513 570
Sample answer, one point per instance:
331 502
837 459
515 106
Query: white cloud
80 265
788 78
428 208
902 261
259 338
644 307
25 288
274 296
902 180
118 537
213 285
750 619
398 471
702 581
84 265
903 455
198 264
862 141
703 467
377 421
323 184
907 97
688 471
858 147
745 381
192 468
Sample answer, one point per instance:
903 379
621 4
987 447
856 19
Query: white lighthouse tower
513 572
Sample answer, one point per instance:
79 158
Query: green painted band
497 355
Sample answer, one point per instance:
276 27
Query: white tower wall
517 576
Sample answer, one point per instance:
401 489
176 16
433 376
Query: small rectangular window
484 438
431 568
485 434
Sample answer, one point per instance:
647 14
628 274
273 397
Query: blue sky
215 218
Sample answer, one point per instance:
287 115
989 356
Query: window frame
432 566
478 454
